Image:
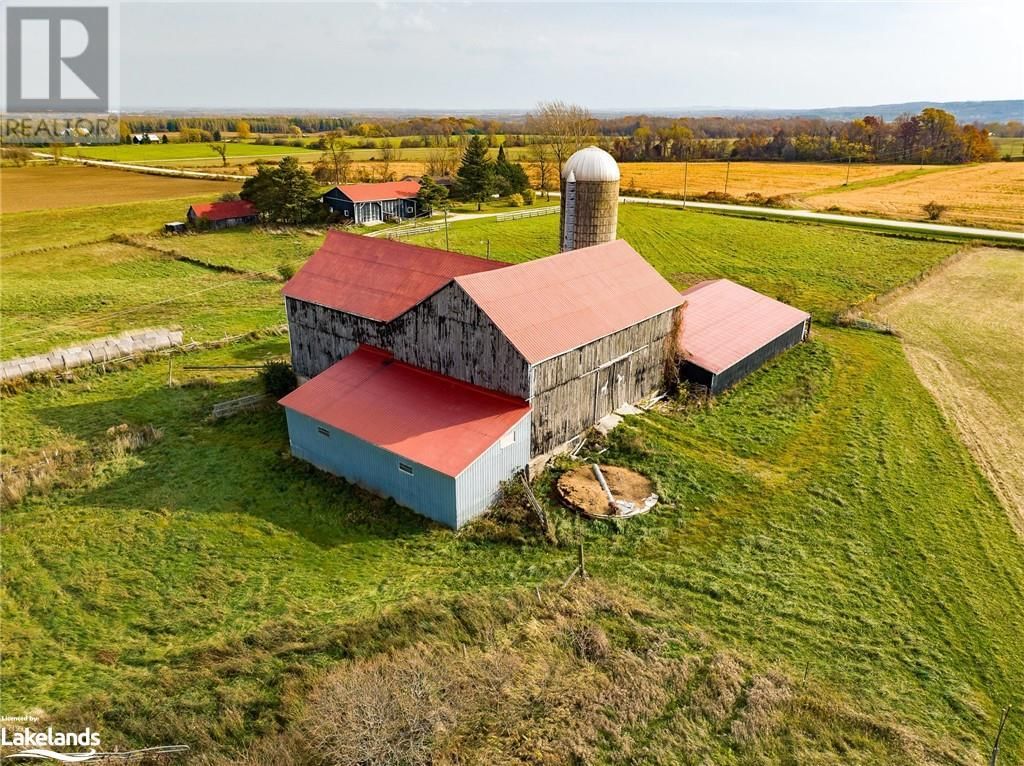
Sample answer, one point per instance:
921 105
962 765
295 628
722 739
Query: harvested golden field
41 187
991 195
765 178
962 333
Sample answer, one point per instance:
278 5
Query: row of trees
934 136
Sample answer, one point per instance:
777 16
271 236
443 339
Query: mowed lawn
143 153
49 187
963 334
822 522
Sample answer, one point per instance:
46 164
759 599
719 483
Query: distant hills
964 111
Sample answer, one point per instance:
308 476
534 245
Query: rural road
150 169
851 220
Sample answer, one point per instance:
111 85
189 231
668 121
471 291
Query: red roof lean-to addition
428 418
555 304
377 278
219 211
724 322
381 191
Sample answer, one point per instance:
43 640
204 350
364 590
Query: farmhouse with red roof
374 203
221 215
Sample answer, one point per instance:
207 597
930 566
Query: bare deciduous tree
336 158
567 127
389 152
222 150
543 160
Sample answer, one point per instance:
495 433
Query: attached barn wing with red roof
222 211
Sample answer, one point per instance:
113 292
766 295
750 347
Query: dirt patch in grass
42 187
962 334
581 491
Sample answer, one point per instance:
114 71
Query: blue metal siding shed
452 501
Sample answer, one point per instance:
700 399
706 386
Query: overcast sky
604 56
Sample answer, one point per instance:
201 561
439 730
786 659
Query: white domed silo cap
592 164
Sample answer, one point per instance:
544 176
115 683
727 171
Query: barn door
604 392
620 384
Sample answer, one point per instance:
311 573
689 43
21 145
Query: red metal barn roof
431 419
555 304
219 211
378 279
381 191
724 322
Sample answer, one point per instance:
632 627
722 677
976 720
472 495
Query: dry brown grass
584 677
962 333
769 179
41 187
991 194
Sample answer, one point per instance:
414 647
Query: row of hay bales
106 349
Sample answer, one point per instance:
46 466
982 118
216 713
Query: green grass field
822 269
821 525
1011 146
142 153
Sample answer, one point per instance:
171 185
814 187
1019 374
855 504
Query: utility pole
727 164
446 229
849 163
686 169
995 745
488 249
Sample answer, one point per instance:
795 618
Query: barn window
348 214
507 440
405 468
323 431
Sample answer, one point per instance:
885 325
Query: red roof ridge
434 375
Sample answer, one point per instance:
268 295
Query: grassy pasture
961 328
159 153
821 522
50 187
822 269
1013 147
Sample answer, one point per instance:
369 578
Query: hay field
962 333
49 187
991 194
765 178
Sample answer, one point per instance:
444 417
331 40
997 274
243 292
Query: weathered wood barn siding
449 334
446 333
320 336
572 391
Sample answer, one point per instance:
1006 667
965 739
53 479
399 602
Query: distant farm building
433 376
374 203
729 331
222 215
433 443
145 138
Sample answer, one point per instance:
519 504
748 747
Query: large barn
731 330
433 376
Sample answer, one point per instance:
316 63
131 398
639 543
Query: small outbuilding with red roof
221 215
368 204
730 330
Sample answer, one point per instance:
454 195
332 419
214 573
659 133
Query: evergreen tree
431 194
285 194
510 178
474 180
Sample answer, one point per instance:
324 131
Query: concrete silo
590 199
